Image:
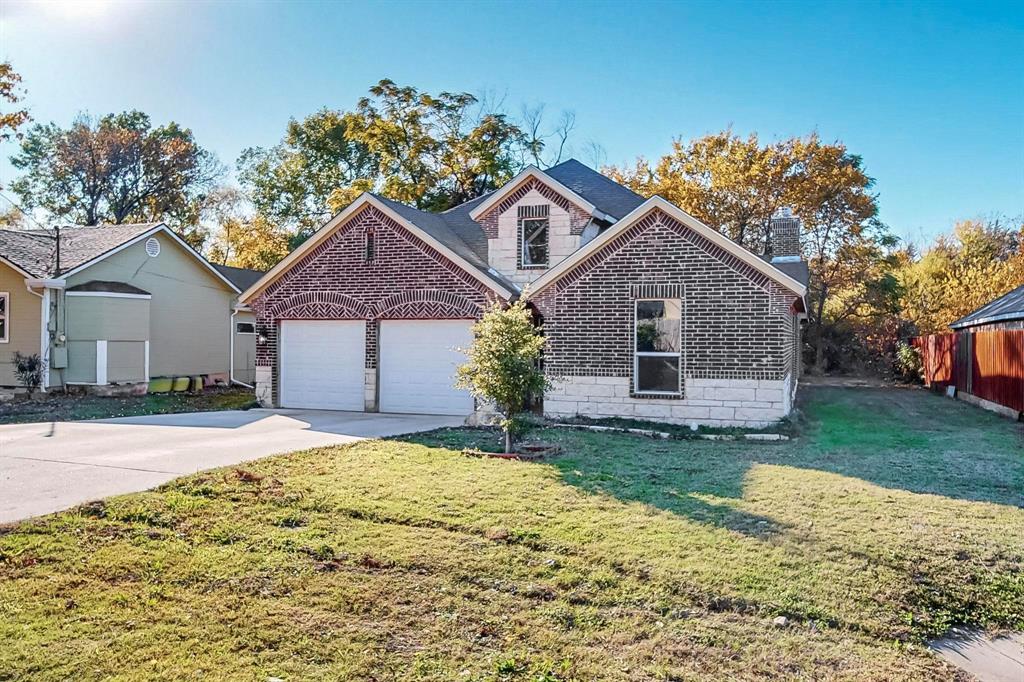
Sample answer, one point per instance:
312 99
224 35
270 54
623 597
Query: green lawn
58 407
894 515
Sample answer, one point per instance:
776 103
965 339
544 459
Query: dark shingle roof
796 269
109 287
1007 307
240 277
600 190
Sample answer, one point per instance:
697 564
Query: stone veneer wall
405 279
739 327
712 402
566 222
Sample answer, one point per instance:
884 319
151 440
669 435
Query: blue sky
930 94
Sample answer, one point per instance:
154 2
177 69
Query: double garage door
322 365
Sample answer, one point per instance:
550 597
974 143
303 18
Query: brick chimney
784 236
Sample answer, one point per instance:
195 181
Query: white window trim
252 333
106 294
522 245
6 295
652 354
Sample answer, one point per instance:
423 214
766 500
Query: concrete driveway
47 467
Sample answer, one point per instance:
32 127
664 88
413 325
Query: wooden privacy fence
989 365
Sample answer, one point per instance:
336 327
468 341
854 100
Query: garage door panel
322 364
417 366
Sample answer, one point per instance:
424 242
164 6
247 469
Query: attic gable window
534 234
371 246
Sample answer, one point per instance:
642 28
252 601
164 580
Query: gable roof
1009 306
430 227
35 251
243 278
494 198
670 209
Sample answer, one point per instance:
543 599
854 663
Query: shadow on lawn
897 438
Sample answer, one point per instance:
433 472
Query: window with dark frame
245 328
534 235
657 360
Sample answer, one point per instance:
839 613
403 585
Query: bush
908 362
29 371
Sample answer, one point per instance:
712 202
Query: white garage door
417 366
322 364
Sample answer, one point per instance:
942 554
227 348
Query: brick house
648 312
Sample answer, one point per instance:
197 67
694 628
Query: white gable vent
152 247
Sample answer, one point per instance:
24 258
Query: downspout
231 354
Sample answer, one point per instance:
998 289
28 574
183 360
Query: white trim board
106 294
533 172
161 227
337 222
673 211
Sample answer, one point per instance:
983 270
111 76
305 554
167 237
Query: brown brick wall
785 237
407 279
737 323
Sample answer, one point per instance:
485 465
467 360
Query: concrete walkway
998 659
50 466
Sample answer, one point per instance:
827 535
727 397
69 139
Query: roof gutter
32 283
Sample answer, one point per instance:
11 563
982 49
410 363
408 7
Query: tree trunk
508 442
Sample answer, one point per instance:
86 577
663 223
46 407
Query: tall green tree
117 169
737 184
292 183
432 151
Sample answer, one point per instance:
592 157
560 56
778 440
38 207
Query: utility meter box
59 357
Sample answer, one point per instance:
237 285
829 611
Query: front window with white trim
5 307
658 343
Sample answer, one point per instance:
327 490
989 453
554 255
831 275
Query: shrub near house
647 312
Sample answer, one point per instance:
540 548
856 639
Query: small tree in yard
29 371
503 365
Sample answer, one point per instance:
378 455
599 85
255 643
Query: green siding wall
245 351
81 363
102 317
189 311
126 361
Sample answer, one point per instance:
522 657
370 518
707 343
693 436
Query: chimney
784 237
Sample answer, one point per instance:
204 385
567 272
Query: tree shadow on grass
662 474
901 439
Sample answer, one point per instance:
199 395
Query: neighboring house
648 312
119 304
1006 312
983 359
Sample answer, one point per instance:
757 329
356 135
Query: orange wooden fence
989 365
